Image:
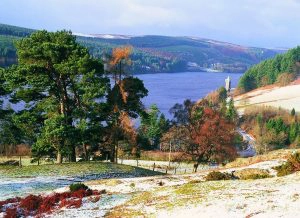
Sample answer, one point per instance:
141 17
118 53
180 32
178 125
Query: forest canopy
269 71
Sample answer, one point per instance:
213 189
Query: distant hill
156 53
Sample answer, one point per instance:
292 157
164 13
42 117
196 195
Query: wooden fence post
20 162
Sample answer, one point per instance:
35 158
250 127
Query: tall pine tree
62 86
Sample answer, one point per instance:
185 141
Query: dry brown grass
273 155
164 156
252 173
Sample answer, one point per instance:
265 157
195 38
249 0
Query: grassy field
72 169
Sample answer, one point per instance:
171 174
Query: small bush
292 165
96 192
252 173
77 186
71 203
9 201
216 175
161 183
81 193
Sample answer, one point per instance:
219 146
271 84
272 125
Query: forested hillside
156 53
7 50
9 34
282 67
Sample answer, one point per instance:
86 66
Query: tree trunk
116 152
85 152
73 154
20 162
59 157
112 155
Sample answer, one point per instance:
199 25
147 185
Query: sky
261 23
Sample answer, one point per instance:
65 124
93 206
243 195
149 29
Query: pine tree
231 113
293 112
61 85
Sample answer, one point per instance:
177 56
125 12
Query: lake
167 89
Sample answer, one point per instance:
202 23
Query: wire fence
168 167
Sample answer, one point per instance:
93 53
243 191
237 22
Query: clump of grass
290 166
113 182
194 181
216 175
252 173
144 197
186 189
77 186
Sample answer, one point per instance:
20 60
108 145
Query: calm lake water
167 89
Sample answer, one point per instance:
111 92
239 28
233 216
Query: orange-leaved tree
120 59
124 100
212 136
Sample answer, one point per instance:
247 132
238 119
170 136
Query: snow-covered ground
23 186
274 197
238 199
287 97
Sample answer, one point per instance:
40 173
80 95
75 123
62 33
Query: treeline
8 54
69 100
142 60
14 30
8 35
7 48
165 54
269 71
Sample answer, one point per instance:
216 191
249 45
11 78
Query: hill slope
287 97
269 71
156 53
189 195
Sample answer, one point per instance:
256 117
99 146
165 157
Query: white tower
228 84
